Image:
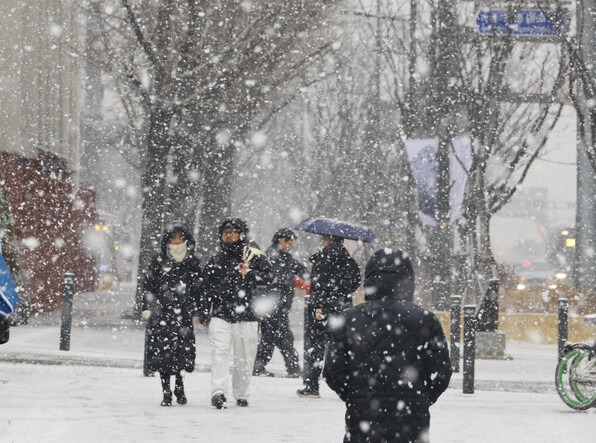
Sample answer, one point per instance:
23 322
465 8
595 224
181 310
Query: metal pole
4 329
306 333
455 331
445 64
469 348
67 295
146 371
585 215
562 323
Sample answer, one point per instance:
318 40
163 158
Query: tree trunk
184 187
217 195
153 183
485 259
441 250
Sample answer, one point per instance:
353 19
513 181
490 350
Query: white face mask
177 252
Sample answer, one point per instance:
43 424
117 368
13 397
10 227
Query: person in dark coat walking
334 276
275 326
231 279
170 305
388 358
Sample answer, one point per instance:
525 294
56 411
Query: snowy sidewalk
83 403
96 392
101 337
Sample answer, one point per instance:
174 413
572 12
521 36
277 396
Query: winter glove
146 314
302 284
319 315
195 321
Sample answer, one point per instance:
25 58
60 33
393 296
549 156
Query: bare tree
339 152
447 80
199 73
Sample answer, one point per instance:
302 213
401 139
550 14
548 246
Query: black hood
235 248
333 250
235 223
177 227
389 274
283 234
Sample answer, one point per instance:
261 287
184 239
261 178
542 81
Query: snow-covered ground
84 403
96 392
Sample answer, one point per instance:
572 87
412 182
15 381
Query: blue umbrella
8 293
336 227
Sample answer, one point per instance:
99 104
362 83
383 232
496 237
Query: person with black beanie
275 324
231 279
388 358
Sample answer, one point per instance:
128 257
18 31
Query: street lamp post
585 221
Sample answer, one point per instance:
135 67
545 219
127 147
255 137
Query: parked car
537 275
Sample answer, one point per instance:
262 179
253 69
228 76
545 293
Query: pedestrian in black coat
388 358
275 325
334 276
170 305
231 279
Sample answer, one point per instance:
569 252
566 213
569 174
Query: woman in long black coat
170 296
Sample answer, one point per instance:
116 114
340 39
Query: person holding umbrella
334 276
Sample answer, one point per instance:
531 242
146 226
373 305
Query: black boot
308 392
167 399
179 391
167 393
219 401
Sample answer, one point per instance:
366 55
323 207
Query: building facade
40 95
40 78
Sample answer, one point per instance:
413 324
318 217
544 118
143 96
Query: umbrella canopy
336 227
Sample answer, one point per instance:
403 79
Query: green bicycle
575 376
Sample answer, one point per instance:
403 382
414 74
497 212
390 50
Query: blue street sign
528 22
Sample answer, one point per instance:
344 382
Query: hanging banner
422 154
8 292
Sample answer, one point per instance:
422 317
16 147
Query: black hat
283 234
389 274
235 223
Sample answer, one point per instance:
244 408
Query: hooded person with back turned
388 358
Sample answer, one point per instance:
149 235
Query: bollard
469 348
455 338
4 329
307 326
562 323
488 313
67 295
146 371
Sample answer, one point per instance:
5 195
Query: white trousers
242 337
